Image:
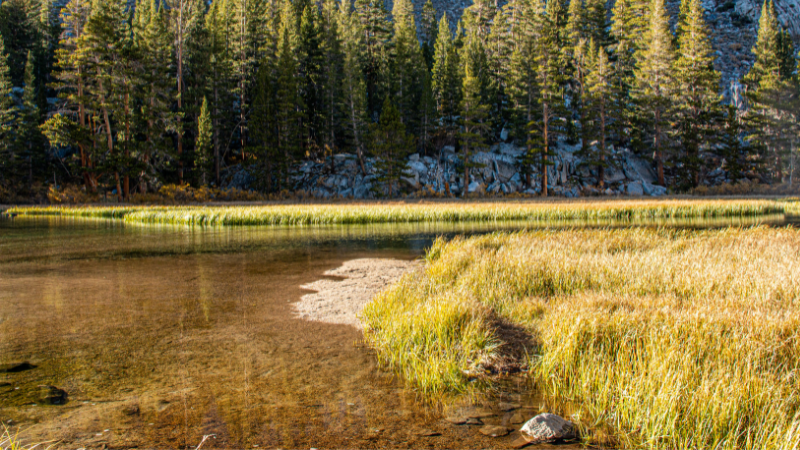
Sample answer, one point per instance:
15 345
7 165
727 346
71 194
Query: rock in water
16 367
52 395
547 428
493 430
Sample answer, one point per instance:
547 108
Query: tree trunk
657 146
546 150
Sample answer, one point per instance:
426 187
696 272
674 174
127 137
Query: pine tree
106 42
72 123
427 114
28 138
182 20
375 25
446 79
354 90
767 91
288 104
407 64
153 43
498 49
391 144
6 116
732 149
310 61
220 76
331 80
203 145
429 30
599 112
697 83
654 82
549 63
627 130
474 112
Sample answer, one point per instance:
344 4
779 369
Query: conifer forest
122 97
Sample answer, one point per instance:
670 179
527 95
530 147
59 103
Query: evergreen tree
407 64
332 69
153 43
354 89
375 26
549 63
6 116
182 21
203 145
310 61
735 154
697 83
73 123
445 79
429 31
474 113
769 114
427 115
28 143
599 113
219 81
654 82
391 144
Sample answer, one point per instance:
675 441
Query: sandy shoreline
341 301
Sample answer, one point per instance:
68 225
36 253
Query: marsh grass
673 338
9 441
365 213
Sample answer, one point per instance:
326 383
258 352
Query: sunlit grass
364 213
9 441
676 339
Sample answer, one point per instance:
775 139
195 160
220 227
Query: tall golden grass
675 339
363 213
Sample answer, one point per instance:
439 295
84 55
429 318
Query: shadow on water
161 335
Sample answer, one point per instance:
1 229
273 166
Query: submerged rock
16 367
52 395
494 430
547 428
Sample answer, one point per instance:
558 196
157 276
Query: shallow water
162 335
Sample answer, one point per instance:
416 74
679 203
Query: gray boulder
547 428
654 190
635 188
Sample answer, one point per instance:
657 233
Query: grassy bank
675 339
363 213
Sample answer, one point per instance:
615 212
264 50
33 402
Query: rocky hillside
497 174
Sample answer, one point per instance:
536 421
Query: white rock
474 186
547 428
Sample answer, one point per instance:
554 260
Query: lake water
161 335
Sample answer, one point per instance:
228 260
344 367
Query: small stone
473 421
456 420
517 418
547 428
429 433
494 430
507 406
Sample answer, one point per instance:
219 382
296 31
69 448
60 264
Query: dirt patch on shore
340 300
